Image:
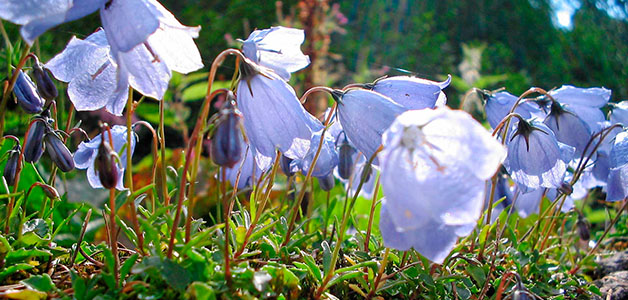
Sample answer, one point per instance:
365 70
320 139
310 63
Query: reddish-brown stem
8 87
227 216
113 233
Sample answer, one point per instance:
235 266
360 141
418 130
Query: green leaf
37 226
200 291
127 265
42 283
326 257
13 269
21 255
344 276
312 266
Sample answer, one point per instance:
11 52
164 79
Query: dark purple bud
34 147
50 191
26 94
226 146
565 188
583 227
106 166
45 86
327 183
284 163
10 169
366 172
58 152
346 153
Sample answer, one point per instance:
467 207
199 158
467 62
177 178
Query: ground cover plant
389 192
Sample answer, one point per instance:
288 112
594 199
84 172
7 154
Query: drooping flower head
26 93
617 184
433 168
568 128
535 158
620 113
412 92
498 105
277 48
37 16
57 150
87 152
273 117
364 116
584 102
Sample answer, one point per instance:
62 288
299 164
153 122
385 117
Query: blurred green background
485 43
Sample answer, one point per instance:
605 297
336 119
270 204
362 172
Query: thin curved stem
195 143
9 87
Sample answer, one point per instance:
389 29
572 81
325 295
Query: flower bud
226 145
26 94
583 228
327 183
10 169
284 163
346 154
565 188
58 152
49 191
45 86
106 166
34 147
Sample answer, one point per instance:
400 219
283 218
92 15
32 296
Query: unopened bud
106 166
226 144
13 163
583 228
45 86
346 153
327 183
26 94
34 147
565 188
49 191
58 152
284 163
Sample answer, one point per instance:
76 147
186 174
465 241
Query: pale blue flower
37 16
433 171
87 151
364 116
272 114
535 158
498 105
98 77
412 92
619 114
617 184
569 128
277 48
327 159
584 102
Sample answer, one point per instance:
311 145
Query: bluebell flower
90 70
85 155
346 157
364 116
327 182
273 117
569 128
100 78
433 171
277 48
327 159
412 92
45 86
584 102
148 43
617 184
37 16
434 239
535 158
619 114
498 105
10 168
